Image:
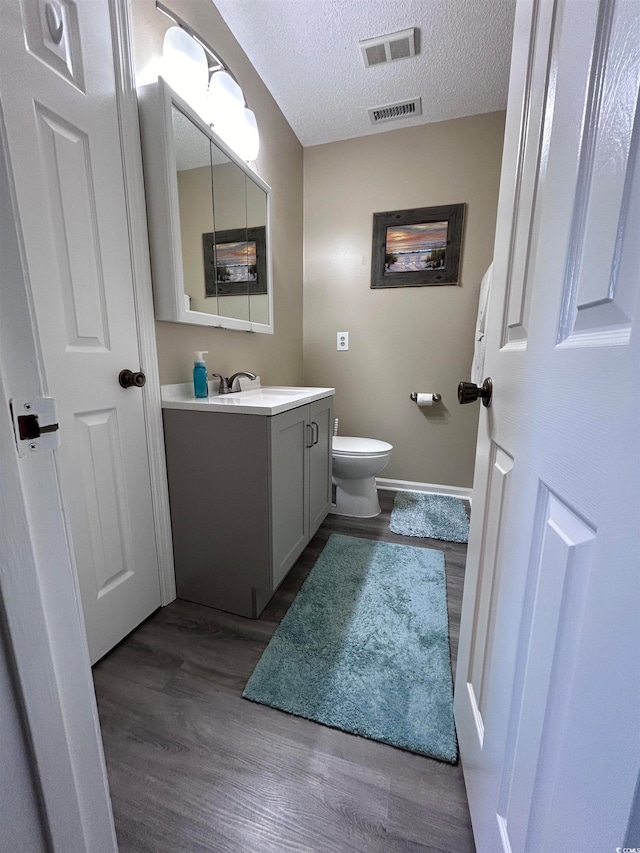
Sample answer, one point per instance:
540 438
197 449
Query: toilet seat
346 445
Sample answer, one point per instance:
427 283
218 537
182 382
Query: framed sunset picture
417 247
235 262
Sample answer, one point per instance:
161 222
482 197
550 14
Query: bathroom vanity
249 485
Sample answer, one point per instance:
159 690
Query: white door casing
548 686
62 120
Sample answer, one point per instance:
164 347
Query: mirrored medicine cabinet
208 216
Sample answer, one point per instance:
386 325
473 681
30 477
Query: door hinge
35 424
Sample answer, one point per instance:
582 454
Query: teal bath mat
436 516
365 647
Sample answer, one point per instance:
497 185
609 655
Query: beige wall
277 358
401 339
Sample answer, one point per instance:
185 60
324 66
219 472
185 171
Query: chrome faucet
232 379
226 385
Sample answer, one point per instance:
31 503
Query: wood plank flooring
194 767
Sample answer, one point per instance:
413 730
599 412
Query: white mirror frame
163 213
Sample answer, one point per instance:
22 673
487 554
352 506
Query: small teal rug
365 647
436 516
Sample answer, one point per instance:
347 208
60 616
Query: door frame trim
127 104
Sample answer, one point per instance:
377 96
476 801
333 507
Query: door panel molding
67 171
485 599
64 57
559 570
105 496
594 302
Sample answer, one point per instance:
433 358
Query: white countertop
256 400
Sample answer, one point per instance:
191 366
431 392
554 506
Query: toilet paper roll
425 400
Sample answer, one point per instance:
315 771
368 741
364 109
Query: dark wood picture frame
381 276
213 287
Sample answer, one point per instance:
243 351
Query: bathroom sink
256 400
268 393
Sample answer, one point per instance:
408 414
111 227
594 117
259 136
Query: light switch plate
342 341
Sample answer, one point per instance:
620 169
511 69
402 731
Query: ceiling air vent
388 48
393 112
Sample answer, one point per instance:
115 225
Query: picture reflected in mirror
235 262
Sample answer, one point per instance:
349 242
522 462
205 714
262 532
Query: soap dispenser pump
200 386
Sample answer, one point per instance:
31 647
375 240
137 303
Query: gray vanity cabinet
320 414
247 493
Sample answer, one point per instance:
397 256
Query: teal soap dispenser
200 386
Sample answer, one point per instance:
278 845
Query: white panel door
547 695
61 122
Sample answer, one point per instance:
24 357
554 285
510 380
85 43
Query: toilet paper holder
414 396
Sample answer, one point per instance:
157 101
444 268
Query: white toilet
356 461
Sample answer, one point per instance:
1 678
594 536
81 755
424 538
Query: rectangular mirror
195 206
229 240
256 230
208 218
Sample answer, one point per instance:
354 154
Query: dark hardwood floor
194 767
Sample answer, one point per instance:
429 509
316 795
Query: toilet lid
346 445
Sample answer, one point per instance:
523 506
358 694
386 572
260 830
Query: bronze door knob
129 379
468 392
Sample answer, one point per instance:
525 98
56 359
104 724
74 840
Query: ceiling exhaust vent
393 112
388 48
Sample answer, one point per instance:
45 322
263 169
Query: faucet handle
224 383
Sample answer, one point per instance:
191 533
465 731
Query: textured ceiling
307 53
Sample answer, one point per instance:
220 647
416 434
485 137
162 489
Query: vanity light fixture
230 118
224 97
250 136
185 68
186 63
240 132
214 60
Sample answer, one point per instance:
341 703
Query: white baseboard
429 488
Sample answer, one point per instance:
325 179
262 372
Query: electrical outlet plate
342 342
